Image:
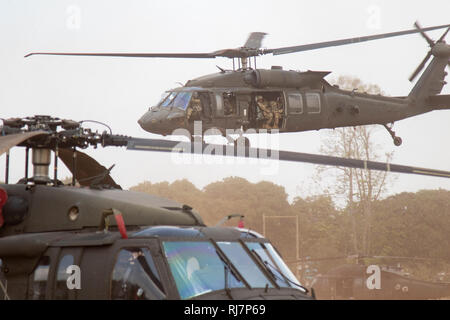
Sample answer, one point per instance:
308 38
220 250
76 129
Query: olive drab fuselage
63 242
290 101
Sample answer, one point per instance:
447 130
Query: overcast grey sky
119 90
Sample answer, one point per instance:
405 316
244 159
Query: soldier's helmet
258 98
195 95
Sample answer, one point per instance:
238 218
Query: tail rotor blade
444 35
420 67
428 39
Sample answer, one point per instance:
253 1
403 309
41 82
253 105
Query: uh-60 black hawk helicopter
372 277
96 241
289 101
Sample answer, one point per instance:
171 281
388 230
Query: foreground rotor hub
41 163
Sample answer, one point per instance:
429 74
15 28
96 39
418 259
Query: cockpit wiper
284 277
263 264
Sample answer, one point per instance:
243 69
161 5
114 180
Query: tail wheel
398 141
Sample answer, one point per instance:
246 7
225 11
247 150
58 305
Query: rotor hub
41 162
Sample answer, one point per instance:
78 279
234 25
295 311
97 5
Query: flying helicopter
369 277
97 241
248 99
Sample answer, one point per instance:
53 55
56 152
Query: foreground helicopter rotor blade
334 43
12 140
87 168
231 150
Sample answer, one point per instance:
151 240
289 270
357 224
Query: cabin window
313 102
135 276
295 103
62 291
40 278
219 105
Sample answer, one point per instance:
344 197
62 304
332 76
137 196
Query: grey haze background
119 90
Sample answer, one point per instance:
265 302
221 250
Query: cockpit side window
3 281
62 292
40 279
135 276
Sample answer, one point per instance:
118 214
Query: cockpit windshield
168 100
176 99
182 100
199 267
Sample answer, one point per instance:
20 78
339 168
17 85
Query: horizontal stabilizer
439 102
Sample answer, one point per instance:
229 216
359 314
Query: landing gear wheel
245 143
398 141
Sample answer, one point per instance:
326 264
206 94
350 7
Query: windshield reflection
198 268
176 99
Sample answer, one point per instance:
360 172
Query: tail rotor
431 43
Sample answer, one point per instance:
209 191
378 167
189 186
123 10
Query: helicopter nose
146 121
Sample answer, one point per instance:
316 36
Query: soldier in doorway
277 110
266 110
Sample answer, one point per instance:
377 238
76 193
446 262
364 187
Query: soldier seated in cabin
229 105
194 110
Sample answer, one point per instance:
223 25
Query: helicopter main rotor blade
231 150
87 168
334 43
254 40
12 140
132 55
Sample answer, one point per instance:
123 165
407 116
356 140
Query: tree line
406 224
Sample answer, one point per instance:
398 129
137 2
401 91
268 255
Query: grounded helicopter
97 241
258 100
363 281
